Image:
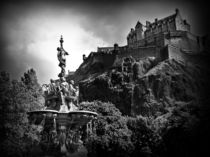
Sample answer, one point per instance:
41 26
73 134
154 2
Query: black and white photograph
104 78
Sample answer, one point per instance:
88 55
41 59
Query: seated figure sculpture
61 95
68 94
71 88
73 96
64 86
52 87
77 95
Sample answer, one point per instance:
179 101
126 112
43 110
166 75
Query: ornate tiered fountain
62 123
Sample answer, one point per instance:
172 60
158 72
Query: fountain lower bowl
71 118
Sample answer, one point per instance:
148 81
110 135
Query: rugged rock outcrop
168 84
149 89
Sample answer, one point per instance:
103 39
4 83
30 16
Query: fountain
62 123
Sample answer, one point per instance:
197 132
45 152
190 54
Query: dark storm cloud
106 20
109 19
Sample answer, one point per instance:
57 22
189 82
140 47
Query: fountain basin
70 119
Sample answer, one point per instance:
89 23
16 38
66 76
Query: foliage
30 79
16 99
117 135
112 136
180 134
102 108
144 138
171 134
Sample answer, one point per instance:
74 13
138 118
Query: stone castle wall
184 40
140 53
108 60
104 58
181 24
177 53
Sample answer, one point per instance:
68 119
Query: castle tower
139 31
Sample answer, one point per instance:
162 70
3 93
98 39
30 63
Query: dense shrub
112 137
121 136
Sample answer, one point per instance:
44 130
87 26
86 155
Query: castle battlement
155 30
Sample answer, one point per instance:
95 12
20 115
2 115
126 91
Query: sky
30 30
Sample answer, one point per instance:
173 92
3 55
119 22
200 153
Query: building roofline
165 18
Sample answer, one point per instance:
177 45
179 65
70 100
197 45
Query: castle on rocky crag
172 32
116 69
166 38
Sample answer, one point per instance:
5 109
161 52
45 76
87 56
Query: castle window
159 28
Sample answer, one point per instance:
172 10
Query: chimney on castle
177 10
147 24
84 57
116 47
156 20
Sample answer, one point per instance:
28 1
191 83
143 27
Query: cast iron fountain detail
62 123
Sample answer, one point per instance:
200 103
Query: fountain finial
61 41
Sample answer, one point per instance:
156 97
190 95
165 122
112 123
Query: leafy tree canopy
16 99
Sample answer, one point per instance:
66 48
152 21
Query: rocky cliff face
147 87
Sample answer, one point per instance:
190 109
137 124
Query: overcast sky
30 30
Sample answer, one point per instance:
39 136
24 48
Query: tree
33 87
121 136
4 92
30 79
144 138
112 136
17 98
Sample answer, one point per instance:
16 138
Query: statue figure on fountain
68 94
52 87
60 94
65 89
64 86
62 58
